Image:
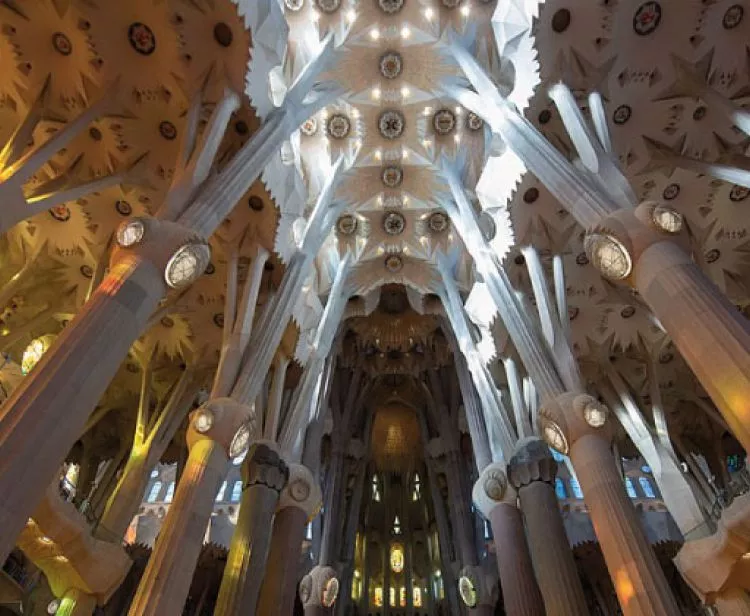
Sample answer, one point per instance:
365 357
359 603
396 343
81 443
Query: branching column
532 471
299 502
265 474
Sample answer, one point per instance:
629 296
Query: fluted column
74 373
212 438
576 425
496 499
264 475
299 502
532 471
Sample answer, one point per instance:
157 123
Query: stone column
656 258
575 425
74 373
318 591
532 471
299 502
212 438
496 500
76 603
264 475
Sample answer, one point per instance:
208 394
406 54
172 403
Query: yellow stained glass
397 558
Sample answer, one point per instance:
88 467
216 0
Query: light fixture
667 220
374 34
204 420
405 32
429 14
375 93
45 540
555 437
595 414
608 255
405 92
130 233
187 264
465 10
240 442
351 15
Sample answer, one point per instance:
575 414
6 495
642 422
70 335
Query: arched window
397 558
170 493
630 488
560 489
236 491
308 532
220 493
417 492
375 489
647 488
154 492
576 488
396 526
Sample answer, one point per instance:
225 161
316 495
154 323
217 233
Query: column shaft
246 563
718 351
280 582
554 565
521 594
166 582
639 581
67 383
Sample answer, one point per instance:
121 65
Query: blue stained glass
576 487
647 488
560 488
630 488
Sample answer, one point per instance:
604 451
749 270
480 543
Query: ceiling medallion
309 127
347 224
545 115
142 38
561 21
394 223
712 256
62 44
438 222
123 207
219 320
627 312
582 259
444 121
391 6
61 213
647 18
733 16
573 312
671 192
328 6
392 176
168 130
87 271
223 34
666 357
393 263
391 64
338 126
699 113
255 203
391 124
738 193
473 121
294 5
622 114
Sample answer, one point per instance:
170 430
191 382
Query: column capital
301 491
225 421
568 417
492 489
532 461
320 587
264 465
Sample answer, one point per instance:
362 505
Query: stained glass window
646 486
630 488
576 488
236 491
154 493
170 493
397 558
560 489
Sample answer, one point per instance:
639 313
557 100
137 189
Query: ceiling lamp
34 352
667 220
394 223
608 255
338 126
391 64
187 264
391 124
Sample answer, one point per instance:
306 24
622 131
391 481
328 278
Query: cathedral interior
374 307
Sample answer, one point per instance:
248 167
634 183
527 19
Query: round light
187 264
204 421
467 591
330 592
53 606
608 255
595 414
45 540
240 442
667 220
130 233
555 438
